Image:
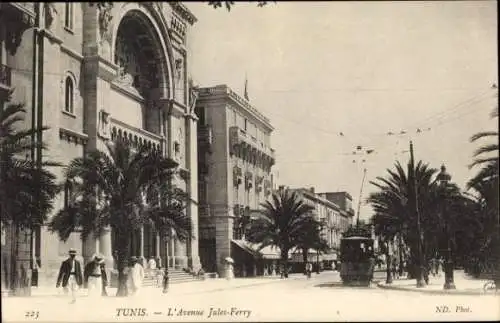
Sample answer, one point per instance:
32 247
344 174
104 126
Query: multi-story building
346 212
235 159
104 71
330 214
17 87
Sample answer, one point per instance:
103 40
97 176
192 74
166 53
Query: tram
357 261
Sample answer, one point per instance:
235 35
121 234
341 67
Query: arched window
68 15
68 95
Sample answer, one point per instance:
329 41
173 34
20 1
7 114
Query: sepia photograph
249 161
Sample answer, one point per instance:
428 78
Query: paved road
299 299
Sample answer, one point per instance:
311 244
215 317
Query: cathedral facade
108 70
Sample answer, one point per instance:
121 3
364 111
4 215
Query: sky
332 76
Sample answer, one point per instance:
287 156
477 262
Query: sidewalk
191 287
465 285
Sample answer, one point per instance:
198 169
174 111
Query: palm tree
123 190
484 187
280 223
386 227
311 238
481 154
394 208
27 188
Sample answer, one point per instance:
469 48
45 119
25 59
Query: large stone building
235 177
16 86
103 71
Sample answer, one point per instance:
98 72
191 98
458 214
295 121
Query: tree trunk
401 260
284 261
388 270
122 241
304 258
21 273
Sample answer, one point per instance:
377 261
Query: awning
312 256
330 256
269 252
245 247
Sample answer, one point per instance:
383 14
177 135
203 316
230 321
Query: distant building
335 211
234 175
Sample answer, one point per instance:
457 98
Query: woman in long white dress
135 277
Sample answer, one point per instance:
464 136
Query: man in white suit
94 276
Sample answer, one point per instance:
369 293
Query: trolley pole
360 195
414 197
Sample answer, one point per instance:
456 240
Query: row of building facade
94 72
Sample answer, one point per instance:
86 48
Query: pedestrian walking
135 276
93 274
166 281
70 275
104 277
152 264
308 270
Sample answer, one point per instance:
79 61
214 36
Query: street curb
433 292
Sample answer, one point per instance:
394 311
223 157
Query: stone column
90 247
105 248
157 250
141 243
192 188
180 254
163 250
223 235
171 244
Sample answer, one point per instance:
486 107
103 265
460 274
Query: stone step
155 279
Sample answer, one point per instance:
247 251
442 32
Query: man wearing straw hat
70 275
94 276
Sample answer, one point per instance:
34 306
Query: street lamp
443 178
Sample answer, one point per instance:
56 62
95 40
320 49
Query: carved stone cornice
178 27
172 107
104 68
183 11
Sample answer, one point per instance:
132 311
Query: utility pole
360 195
414 197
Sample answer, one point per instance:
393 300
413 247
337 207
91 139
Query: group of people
94 277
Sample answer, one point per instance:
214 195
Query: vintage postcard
249 161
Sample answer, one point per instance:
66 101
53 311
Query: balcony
267 187
136 137
16 17
203 168
205 137
5 79
242 145
237 176
248 180
204 210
